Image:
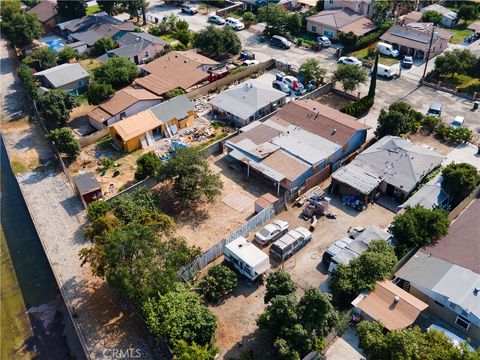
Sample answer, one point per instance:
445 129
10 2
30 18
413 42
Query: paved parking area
345 347
197 22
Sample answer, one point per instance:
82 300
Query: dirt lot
237 315
430 140
334 100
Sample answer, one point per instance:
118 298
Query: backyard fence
147 183
92 138
439 86
187 272
228 9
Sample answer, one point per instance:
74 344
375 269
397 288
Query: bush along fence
188 272
360 107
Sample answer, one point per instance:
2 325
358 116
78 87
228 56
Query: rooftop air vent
396 299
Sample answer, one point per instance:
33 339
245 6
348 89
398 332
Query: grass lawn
465 83
82 99
92 9
168 38
460 32
90 64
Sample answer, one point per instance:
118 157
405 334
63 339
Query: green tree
181 25
54 106
98 92
348 39
217 42
185 351
311 71
71 9
350 76
65 142
417 227
147 165
400 119
129 207
193 180
430 123
320 5
468 12
159 222
298 339
458 61
276 17
184 36
218 282
116 71
46 57
316 312
280 314
432 16
380 12
104 44
180 315
249 18
372 339
107 5
459 180
278 283
294 23
30 81
373 77
283 349
97 209
66 55
17 26
361 273
101 227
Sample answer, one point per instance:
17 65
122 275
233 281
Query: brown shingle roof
99 115
180 68
380 305
414 35
359 27
344 20
258 135
155 84
474 26
462 244
45 10
319 119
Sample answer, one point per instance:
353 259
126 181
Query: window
123 115
314 28
331 2
462 322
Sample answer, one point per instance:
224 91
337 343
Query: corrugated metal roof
424 270
356 177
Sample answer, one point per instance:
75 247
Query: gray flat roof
176 108
87 183
63 74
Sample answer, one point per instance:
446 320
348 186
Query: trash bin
475 105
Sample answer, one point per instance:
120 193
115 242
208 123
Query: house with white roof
69 77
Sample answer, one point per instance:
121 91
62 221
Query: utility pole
428 55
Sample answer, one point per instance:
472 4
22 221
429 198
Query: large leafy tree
107 5
350 76
468 11
432 16
65 142
116 71
400 119
279 315
220 281
294 23
312 71
376 263
71 9
459 180
185 351
279 283
147 165
417 227
316 311
180 315
17 26
46 57
104 44
129 207
217 42
276 17
458 61
66 55
98 92
191 177
54 106
380 11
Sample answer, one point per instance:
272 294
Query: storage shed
265 201
88 188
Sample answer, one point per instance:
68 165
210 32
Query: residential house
411 17
46 12
449 17
362 7
413 39
137 47
332 22
391 166
247 102
475 27
296 143
430 196
446 275
79 46
350 247
93 27
69 77
126 102
144 128
395 308
177 69
88 188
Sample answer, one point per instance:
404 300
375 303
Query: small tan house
145 128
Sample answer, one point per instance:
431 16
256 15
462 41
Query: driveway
197 22
12 103
345 347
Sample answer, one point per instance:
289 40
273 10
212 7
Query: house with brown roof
297 142
177 69
143 129
446 275
46 12
126 102
331 23
413 39
394 307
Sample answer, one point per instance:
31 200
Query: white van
384 70
387 49
235 24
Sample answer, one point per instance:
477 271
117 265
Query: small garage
88 188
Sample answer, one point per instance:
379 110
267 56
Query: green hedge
359 107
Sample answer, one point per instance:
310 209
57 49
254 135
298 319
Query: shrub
97 209
147 165
98 92
30 82
430 123
219 281
173 93
348 39
460 134
65 142
359 107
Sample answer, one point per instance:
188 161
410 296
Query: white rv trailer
249 260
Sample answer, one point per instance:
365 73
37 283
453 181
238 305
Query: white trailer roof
247 252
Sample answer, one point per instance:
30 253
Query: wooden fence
92 138
318 178
188 272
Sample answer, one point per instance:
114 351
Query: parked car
279 76
324 41
435 110
280 85
293 84
188 9
349 60
407 62
290 243
271 232
215 19
457 122
235 24
387 49
386 71
280 41
250 62
247 55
